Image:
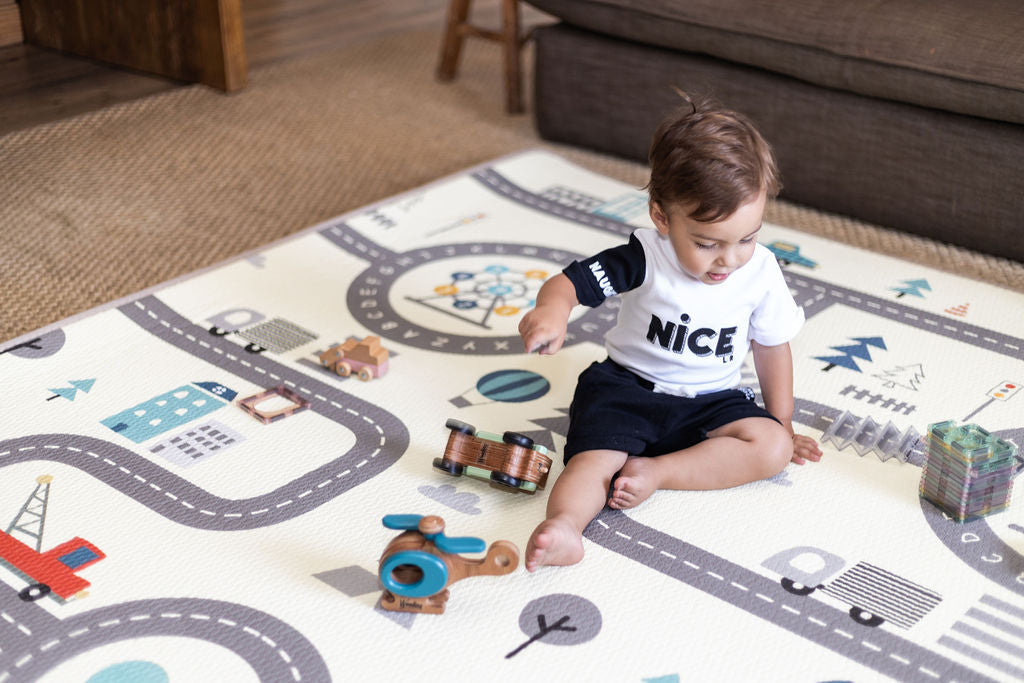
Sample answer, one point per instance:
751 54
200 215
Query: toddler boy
663 411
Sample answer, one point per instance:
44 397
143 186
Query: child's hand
805 448
543 330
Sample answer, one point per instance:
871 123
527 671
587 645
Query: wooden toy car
366 358
511 461
419 564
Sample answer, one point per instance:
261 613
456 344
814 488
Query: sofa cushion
955 55
921 170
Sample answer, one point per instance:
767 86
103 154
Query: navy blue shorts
617 410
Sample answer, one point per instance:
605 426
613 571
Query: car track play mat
210 480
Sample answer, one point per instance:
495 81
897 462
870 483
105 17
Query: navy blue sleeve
611 272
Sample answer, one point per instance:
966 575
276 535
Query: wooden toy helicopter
419 564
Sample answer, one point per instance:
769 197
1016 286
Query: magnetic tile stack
968 473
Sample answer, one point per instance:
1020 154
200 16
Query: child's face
710 252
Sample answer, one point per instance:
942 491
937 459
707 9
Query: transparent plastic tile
887 441
866 435
910 448
842 430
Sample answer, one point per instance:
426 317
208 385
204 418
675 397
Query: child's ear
659 217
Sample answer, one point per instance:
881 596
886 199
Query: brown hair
709 158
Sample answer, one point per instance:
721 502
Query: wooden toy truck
366 358
511 461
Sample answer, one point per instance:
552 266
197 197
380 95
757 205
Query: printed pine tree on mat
848 353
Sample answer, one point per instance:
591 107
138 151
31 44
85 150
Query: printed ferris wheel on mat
495 290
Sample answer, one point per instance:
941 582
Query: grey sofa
905 113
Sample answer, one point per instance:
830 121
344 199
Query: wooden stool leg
511 45
458 12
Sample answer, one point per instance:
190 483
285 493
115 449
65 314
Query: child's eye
748 240
705 246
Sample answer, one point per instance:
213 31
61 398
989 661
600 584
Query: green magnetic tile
963 495
941 430
987 460
971 444
970 478
981 466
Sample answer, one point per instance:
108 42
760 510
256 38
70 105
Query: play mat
188 494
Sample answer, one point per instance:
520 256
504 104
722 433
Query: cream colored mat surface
217 546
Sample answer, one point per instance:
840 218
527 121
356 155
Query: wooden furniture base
187 40
10 23
459 28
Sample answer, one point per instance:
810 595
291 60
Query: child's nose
728 258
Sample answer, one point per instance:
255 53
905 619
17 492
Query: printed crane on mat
53 570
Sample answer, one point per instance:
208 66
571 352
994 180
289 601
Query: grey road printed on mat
37 641
380 437
814 620
816 296
380 440
368 294
34 641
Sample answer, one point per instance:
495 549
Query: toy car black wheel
505 480
517 439
448 466
459 426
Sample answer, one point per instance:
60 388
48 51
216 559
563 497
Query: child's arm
774 366
543 329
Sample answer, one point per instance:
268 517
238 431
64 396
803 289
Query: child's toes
620 498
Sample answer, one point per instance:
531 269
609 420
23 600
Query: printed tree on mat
558 619
906 376
849 352
70 392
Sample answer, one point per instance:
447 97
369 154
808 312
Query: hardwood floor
39 86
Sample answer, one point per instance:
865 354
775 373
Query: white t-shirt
685 336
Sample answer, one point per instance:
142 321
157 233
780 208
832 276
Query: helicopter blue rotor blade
401 521
460 544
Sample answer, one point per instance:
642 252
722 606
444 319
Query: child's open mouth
718 277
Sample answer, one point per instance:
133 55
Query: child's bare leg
578 495
736 453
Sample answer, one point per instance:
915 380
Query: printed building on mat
170 410
968 472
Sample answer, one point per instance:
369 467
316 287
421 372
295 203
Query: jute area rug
100 206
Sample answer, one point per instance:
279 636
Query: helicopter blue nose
431 578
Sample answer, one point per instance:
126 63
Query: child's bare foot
553 542
635 483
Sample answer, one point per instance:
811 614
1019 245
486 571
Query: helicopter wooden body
419 564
